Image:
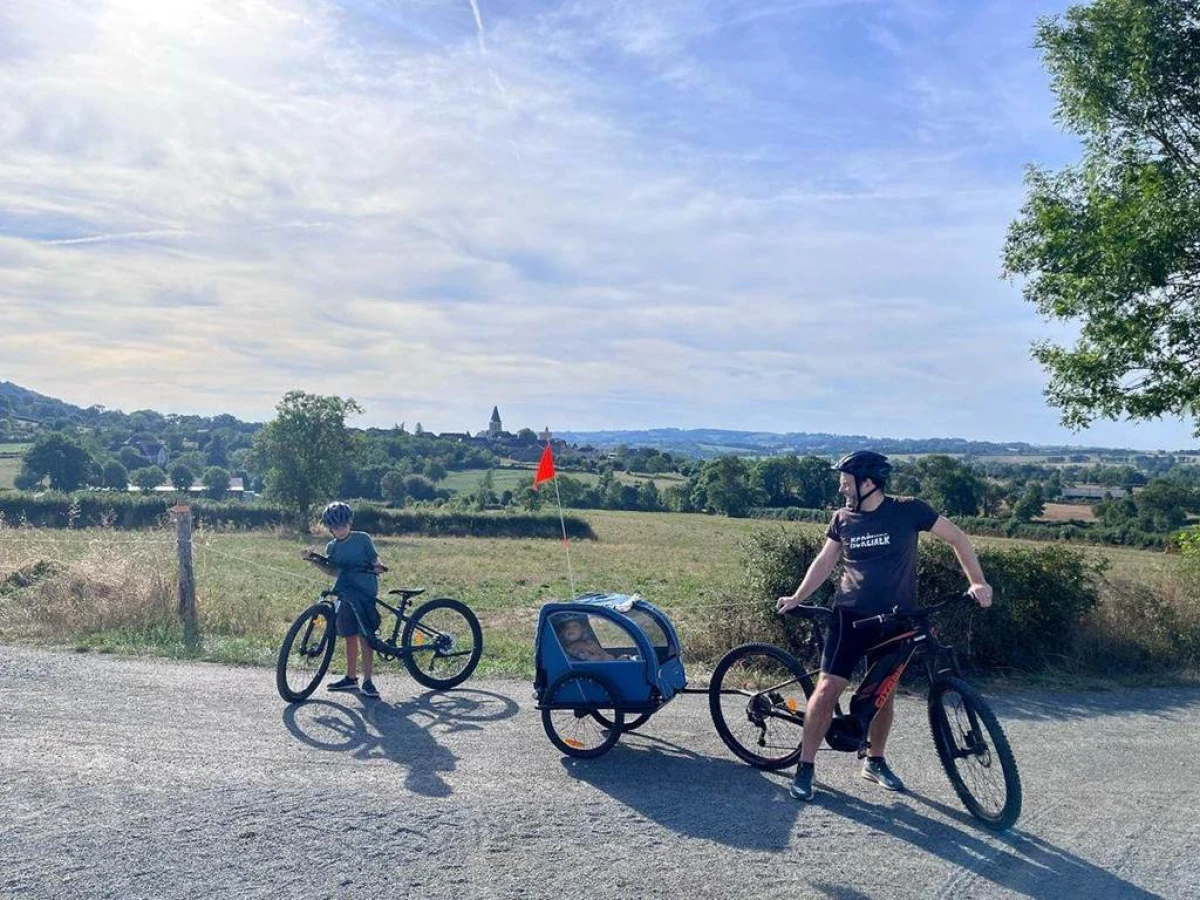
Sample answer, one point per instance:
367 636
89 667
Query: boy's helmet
337 513
865 464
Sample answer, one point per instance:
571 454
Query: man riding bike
875 537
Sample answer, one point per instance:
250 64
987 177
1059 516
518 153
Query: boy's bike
440 642
758 694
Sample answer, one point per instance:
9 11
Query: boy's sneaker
344 684
802 787
369 690
876 770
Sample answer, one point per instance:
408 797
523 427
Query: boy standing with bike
351 556
875 538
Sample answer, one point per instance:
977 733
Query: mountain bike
440 642
758 693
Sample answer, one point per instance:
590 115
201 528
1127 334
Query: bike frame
389 648
848 730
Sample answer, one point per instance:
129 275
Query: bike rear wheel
975 752
757 698
442 643
305 653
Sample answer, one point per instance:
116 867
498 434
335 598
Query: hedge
1042 596
90 510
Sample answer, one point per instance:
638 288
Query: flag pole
548 461
566 547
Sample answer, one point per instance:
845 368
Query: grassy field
115 590
10 466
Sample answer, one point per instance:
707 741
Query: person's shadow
404 733
699 796
734 804
1023 863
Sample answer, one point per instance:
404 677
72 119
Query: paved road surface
143 778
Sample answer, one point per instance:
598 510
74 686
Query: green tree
181 477
951 487
1163 505
1032 503
59 458
301 450
724 483
148 477
391 485
115 476
216 482
1110 244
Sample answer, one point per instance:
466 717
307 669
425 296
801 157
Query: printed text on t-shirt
869 540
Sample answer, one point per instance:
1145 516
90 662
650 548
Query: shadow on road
403 733
1077 705
1022 863
715 799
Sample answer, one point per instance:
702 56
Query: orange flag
545 469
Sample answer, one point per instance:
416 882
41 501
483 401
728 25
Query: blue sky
783 216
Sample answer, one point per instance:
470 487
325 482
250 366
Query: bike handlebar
811 612
322 560
924 612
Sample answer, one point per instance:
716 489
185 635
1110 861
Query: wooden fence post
187 581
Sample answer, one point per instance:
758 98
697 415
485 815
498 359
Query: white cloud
593 214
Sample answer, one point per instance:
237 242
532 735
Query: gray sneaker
876 770
802 788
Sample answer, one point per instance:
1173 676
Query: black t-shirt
879 554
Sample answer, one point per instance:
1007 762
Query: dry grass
66 586
109 589
1066 512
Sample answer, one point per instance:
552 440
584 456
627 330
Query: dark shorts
347 622
845 645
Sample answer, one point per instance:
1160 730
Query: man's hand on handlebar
982 593
783 604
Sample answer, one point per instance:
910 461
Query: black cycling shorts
845 645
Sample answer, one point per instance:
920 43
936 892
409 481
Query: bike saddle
407 593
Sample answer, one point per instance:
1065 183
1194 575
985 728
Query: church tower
494 426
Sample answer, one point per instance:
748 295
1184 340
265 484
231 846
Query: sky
594 214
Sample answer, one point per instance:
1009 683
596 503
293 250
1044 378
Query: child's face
572 631
340 532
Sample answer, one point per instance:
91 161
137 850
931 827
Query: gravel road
145 778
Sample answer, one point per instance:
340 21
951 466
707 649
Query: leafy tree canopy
60 458
302 449
1112 244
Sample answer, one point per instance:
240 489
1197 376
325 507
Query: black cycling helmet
337 513
864 464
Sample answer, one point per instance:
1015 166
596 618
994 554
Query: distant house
1093 492
153 451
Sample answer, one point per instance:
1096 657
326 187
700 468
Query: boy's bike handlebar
322 560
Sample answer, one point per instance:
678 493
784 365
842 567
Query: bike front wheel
570 710
757 698
975 752
305 653
442 643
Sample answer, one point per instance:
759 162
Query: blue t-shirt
879 554
353 557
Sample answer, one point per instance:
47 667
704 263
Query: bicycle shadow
673 786
404 733
1024 864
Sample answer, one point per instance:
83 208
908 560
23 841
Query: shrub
1042 596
